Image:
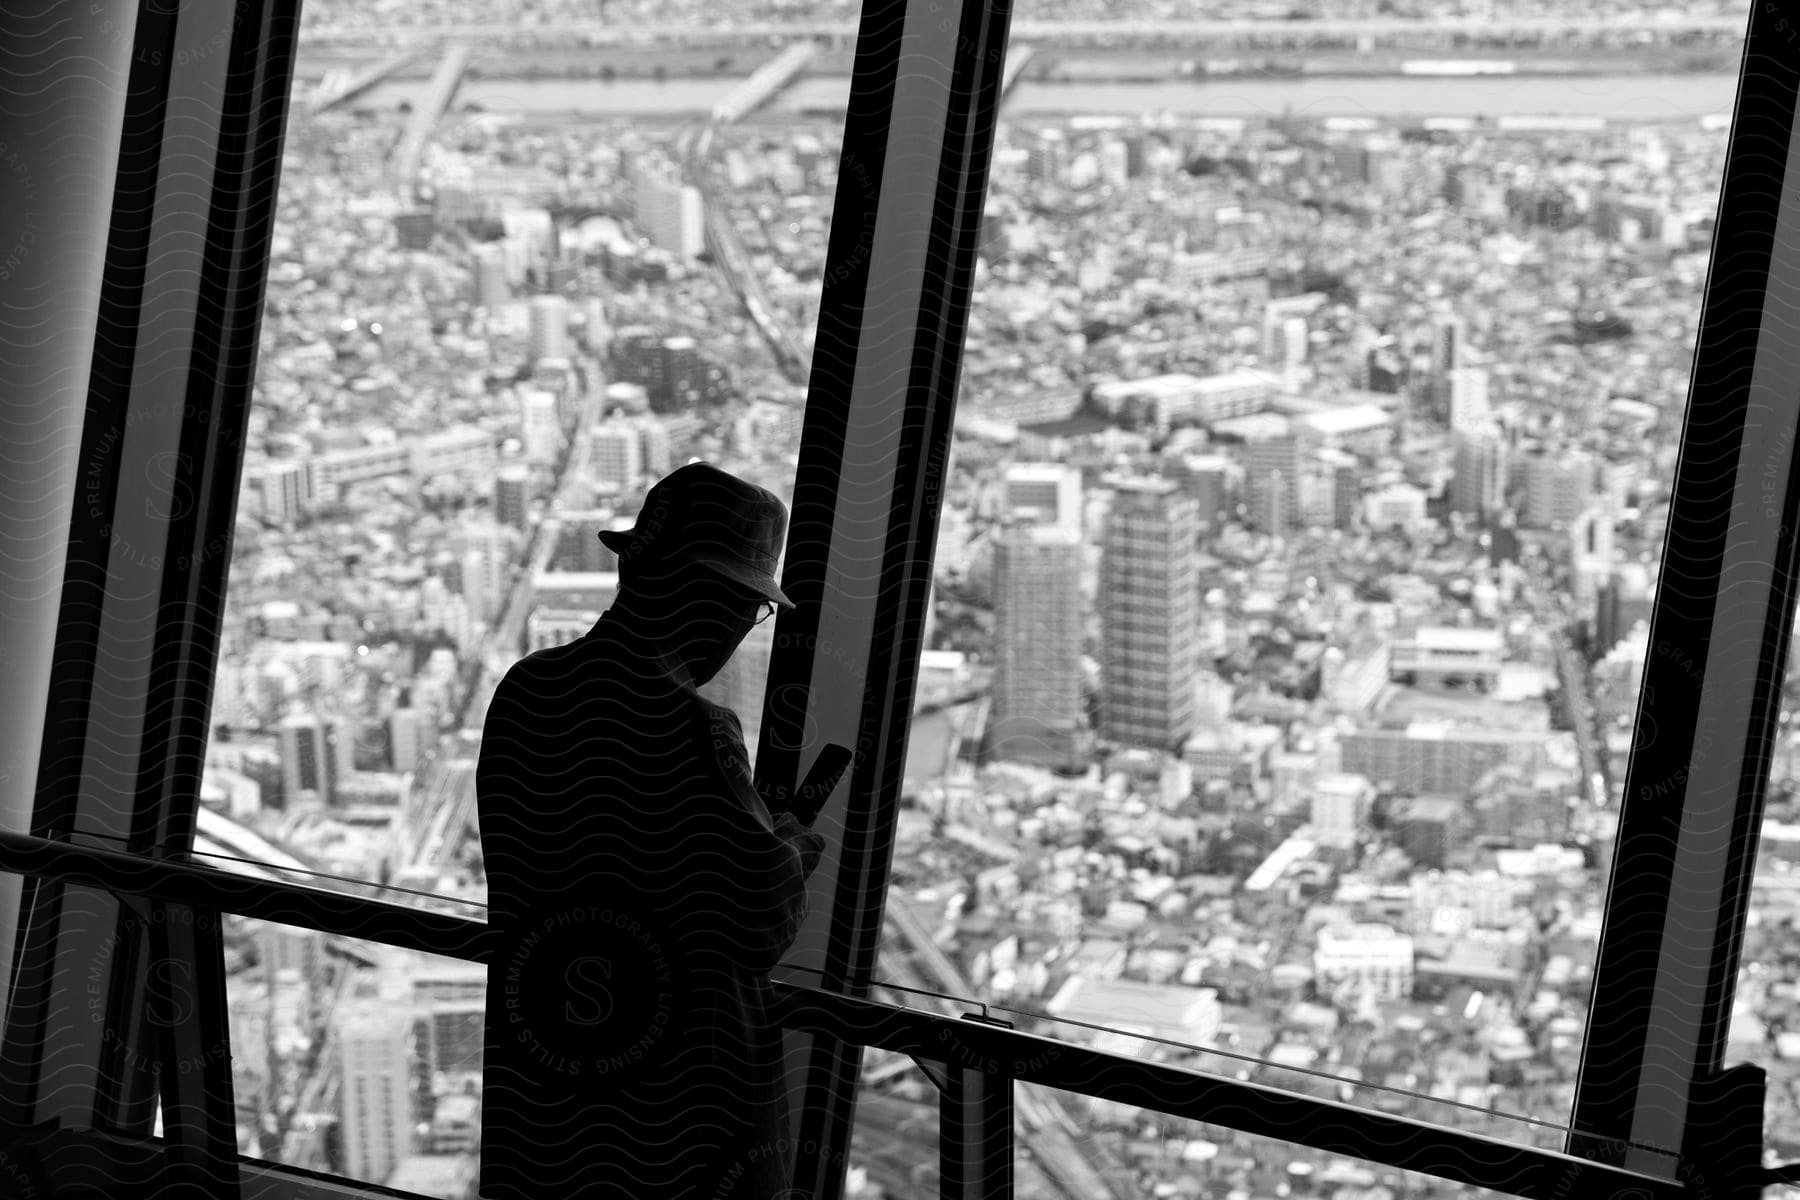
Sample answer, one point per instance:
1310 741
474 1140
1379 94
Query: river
1615 97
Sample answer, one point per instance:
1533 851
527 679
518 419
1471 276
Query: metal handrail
185 881
1404 1143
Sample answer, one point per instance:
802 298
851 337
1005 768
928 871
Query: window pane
354 1058
1146 1153
1444 1078
1763 1019
894 1141
1310 484
485 337
1069 1144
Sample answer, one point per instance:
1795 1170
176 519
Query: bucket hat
698 513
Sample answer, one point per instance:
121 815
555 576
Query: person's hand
810 844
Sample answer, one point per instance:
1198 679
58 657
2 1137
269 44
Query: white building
655 449
1360 429
233 792
1047 494
549 327
465 448
1591 550
485 555
337 469
1339 805
1182 1014
540 426
1452 902
443 1176
1442 651
1557 487
1368 957
1469 407
1399 506
1168 398
285 488
375 1092
670 213
616 455
456 1125
408 731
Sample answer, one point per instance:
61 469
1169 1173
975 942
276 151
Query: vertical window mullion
65 206
1686 842
911 182
185 260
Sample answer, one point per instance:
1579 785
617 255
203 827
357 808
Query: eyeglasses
768 610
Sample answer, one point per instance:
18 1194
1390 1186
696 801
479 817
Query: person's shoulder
553 665
720 720
539 664
703 704
721 735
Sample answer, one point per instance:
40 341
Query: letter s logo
788 704
175 977
587 979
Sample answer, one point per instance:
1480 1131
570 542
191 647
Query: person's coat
638 895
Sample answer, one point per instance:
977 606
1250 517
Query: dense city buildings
1290 600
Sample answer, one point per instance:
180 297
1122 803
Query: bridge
410 150
765 83
340 86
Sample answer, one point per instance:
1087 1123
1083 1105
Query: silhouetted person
638 889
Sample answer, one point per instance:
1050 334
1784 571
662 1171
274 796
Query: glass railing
301 998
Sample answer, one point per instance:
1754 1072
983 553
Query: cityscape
1291 595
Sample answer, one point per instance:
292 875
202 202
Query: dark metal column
191 1020
181 265
912 181
1693 801
55 205
975 1126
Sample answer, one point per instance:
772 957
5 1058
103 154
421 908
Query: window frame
205 301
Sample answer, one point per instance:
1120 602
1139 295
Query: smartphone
827 772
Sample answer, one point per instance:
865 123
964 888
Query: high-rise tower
1149 614
1038 708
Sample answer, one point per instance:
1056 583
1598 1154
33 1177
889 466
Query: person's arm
804 803
749 870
